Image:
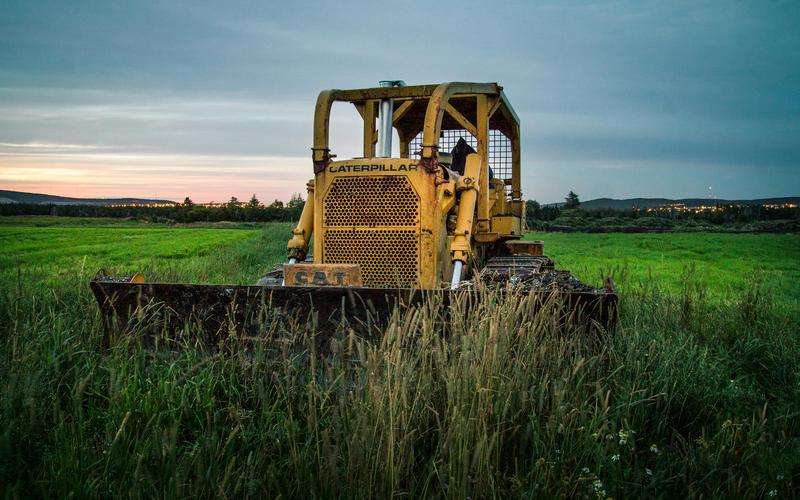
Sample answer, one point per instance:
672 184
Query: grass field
697 393
47 250
727 265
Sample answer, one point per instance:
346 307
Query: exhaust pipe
385 111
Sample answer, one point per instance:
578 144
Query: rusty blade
218 312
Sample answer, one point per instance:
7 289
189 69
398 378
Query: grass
725 265
57 252
696 394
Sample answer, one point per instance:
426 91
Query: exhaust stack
385 120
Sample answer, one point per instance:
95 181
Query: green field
52 251
696 393
726 265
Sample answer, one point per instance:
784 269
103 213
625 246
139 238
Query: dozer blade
213 314
217 312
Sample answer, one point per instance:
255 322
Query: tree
532 209
253 203
234 203
296 201
187 202
572 200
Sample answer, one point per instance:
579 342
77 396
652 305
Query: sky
168 99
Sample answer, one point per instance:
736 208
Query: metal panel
373 221
387 258
387 200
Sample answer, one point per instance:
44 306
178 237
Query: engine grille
387 258
388 200
374 221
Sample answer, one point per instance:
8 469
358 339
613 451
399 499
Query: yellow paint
402 220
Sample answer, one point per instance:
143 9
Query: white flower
585 470
772 493
648 472
615 458
623 436
597 485
654 448
780 477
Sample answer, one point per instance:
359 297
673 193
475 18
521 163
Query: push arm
298 245
461 246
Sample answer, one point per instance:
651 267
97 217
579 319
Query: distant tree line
564 217
570 216
188 211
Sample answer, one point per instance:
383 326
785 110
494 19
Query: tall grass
690 396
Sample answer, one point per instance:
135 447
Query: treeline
755 218
567 217
233 210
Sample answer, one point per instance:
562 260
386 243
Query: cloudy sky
620 99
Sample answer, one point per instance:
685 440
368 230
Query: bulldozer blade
216 313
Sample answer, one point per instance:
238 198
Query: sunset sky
213 100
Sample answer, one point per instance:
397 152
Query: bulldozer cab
430 121
404 220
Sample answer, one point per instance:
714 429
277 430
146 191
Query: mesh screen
387 258
388 200
499 149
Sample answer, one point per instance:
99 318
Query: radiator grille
371 201
387 258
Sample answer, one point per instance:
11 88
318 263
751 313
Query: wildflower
599 490
585 470
615 458
654 449
779 477
623 436
772 493
648 472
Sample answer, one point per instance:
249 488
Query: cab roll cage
474 107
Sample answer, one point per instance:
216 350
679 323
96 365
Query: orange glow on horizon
168 177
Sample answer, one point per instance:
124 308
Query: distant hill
49 199
602 203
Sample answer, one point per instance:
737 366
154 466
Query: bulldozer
438 213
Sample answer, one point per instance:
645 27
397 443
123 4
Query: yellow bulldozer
443 216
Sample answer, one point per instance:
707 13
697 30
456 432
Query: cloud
203 177
48 146
606 90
